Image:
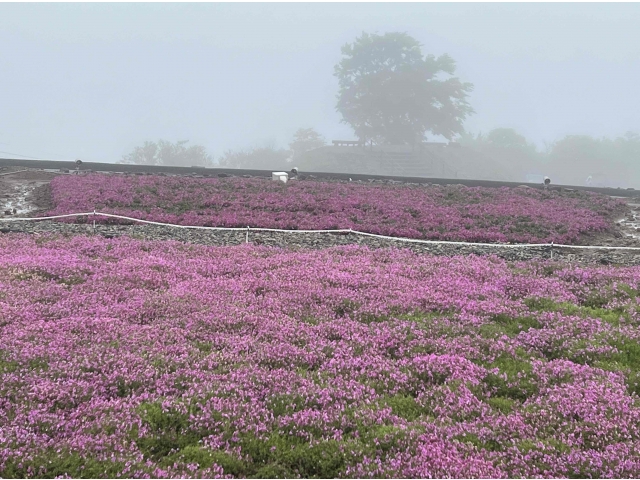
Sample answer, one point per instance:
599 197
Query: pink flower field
125 358
442 213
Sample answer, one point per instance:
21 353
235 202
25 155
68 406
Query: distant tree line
304 139
392 94
574 159
166 153
178 154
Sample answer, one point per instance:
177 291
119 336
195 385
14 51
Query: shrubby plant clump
439 213
123 358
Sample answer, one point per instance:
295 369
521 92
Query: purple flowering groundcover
125 358
433 212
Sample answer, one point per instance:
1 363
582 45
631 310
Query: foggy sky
92 81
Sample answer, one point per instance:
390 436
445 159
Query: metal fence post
551 250
94 221
247 237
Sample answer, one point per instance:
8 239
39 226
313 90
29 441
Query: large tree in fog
391 93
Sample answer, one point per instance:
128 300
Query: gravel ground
39 201
296 241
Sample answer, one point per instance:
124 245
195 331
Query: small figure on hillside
78 163
547 181
294 173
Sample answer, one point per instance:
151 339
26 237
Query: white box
280 177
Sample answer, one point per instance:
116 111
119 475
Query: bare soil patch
24 193
625 233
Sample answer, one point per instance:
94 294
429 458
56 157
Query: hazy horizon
92 81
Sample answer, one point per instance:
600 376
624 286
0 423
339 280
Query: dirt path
626 231
630 224
23 193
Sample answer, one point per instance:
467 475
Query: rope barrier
552 245
237 229
26 219
11 173
259 229
449 242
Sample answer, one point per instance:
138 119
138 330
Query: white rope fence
343 230
11 173
31 170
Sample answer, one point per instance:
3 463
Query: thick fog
93 81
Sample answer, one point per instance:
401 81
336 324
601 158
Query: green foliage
541 463
501 404
611 316
592 307
36 274
519 384
286 404
389 438
405 407
629 355
292 456
7 366
63 464
390 93
345 307
206 458
628 360
170 431
38 364
541 304
595 301
172 439
180 207
273 455
526 446
491 330
473 439
125 388
72 280
204 347
423 318
628 290
511 326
